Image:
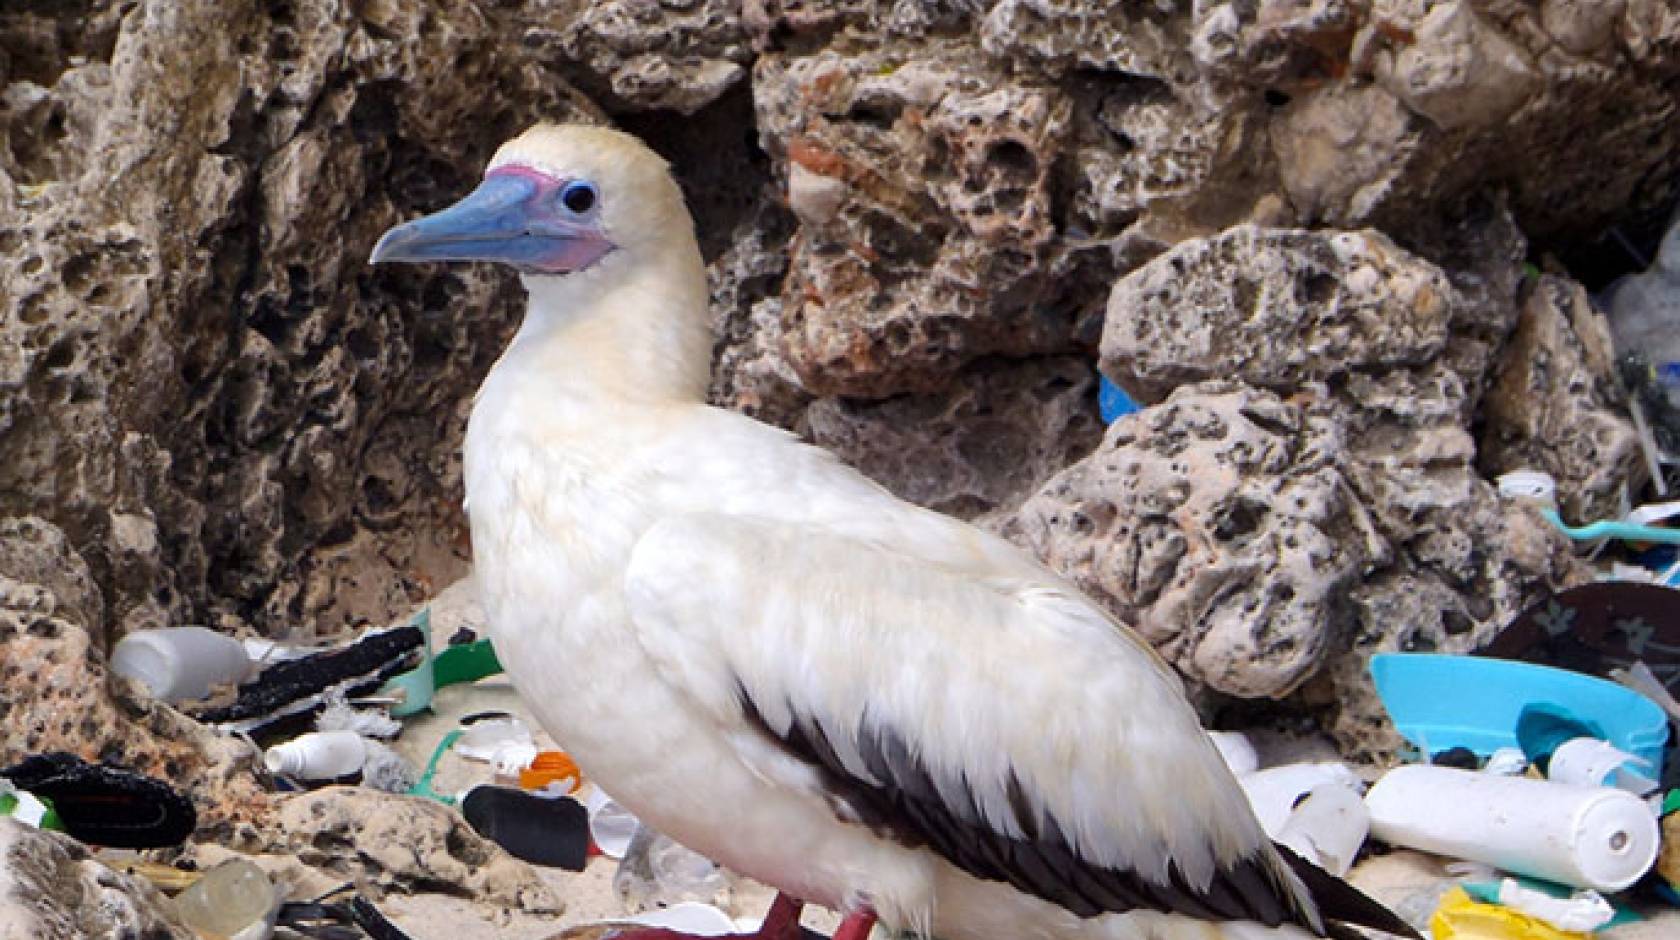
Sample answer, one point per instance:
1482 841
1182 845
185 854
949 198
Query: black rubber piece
104 805
551 832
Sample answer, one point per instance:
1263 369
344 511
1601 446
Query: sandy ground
1403 880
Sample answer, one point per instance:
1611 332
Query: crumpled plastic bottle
233 901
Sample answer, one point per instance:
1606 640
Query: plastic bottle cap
1528 484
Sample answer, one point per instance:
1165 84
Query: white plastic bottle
180 664
319 755
1588 837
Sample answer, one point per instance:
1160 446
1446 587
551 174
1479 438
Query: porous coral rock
51 888
928 241
1221 525
405 844
1555 405
1277 308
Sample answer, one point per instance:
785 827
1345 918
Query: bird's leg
782 922
856 926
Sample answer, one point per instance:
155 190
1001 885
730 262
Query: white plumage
774 661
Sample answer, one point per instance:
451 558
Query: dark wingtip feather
1339 901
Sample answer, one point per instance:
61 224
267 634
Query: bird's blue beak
512 217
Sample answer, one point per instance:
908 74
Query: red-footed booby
768 657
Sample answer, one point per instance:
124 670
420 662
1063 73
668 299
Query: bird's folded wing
1005 723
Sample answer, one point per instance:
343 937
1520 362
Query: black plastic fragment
104 805
552 832
359 668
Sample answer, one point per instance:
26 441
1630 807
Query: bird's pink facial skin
519 216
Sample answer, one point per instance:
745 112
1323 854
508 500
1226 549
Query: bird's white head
598 228
556 200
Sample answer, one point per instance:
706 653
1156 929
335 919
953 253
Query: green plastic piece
465 662
1671 802
423 786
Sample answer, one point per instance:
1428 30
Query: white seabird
768 657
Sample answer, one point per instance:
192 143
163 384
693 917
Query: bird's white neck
624 331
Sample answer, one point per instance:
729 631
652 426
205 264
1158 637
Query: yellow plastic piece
1460 918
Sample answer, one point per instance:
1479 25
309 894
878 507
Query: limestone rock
675 55
201 382
404 844
927 238
1221 525
1277 308
977 449
51 888
1555 406
57 695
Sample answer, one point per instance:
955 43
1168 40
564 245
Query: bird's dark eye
578 197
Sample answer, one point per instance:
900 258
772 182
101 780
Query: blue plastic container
1441 701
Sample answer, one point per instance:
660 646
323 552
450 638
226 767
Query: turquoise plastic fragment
416 685
1612 529
423 786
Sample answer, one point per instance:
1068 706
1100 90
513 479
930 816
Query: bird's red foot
856 926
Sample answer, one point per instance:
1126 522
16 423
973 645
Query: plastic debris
690 918
1586 837
319 755
284 698
611 826
104 805
26 807
656 871
322 919
1506 762
232 901
1439 701
1591 762
1328 827
1581 912
1275 791
504 743
1462 918
551 769
1112 401
179 664
551 832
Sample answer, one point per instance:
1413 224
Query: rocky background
1296 230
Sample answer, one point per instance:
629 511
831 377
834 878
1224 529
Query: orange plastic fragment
548 767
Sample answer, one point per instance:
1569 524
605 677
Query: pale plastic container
610 825
1588 837
233 901
180 664
1273 792
1328 827
319 755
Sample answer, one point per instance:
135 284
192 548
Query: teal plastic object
1440 701
1612 529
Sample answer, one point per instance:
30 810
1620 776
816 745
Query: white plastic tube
610 825
1589 837
180 664
319 755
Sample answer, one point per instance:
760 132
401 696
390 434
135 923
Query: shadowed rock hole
1240 517
1319 287
1013 159
61 355
879 115
1275 98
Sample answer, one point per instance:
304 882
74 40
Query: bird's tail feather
1341 902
